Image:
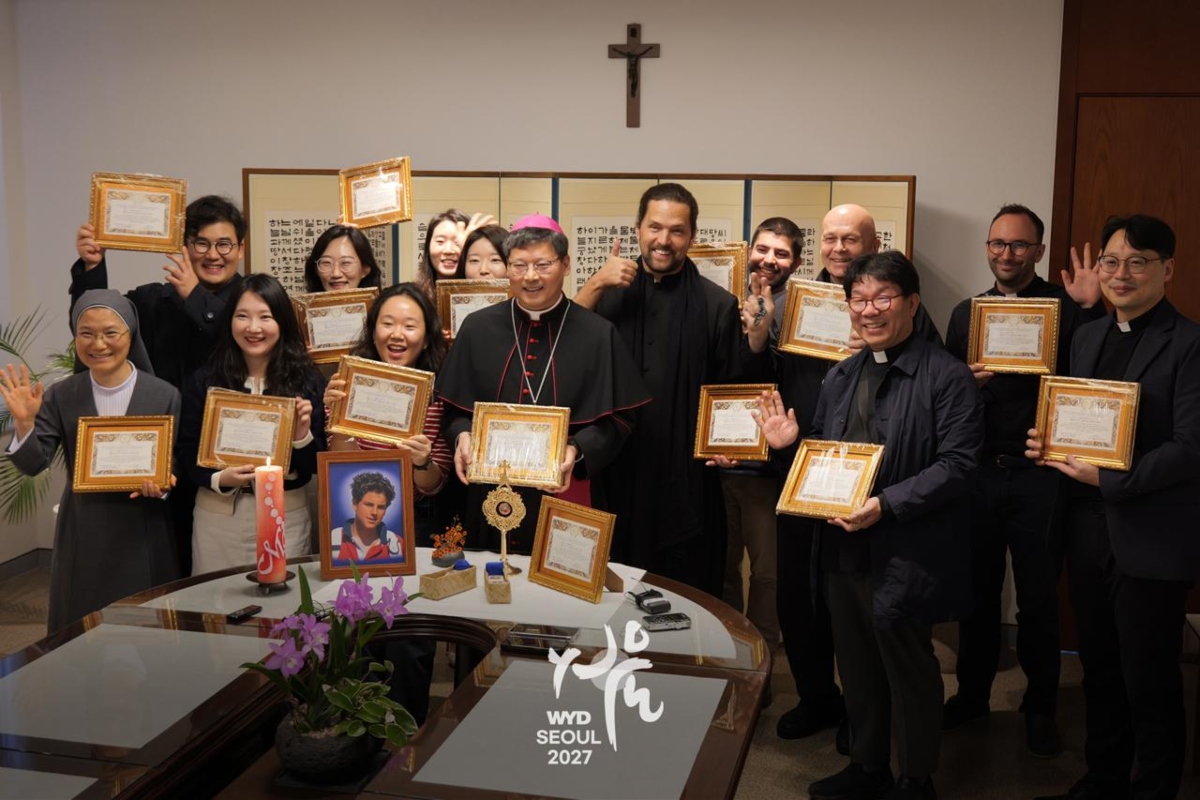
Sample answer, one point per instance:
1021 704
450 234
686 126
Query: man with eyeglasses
1132 551
540 348
1018 506
897 565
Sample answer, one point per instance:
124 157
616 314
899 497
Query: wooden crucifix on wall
633 51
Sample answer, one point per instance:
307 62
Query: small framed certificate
332 322
240 428
384 402
377 194
724 265
138 212
570 548
1093 420
531 439
816 321
1014 334
830 479
458 299
725 426
365 513
116 454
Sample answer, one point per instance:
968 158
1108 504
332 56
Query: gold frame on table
418 383
218 401
317 304
447 290
558 514
175 190
404 496
869 454
801 293
739 251
712 394
398 167
1035 310
1119 396
160 427
486 414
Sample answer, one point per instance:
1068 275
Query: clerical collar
891 354
537 315
1138 323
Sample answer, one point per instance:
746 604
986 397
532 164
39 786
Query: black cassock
568 356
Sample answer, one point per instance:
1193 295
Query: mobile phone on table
667 622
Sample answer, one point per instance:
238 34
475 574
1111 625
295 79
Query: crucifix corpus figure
633 51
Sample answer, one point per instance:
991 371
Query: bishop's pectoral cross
633 51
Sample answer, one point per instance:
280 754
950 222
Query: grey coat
106 546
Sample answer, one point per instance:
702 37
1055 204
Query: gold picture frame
716 403
852 482
811 325
376 194
723 264
511 433
96 439
325 321
1093 420
337 513
568 535
228 417
378 387
458 299
138 212
1014 334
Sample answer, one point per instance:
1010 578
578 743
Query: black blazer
1153 510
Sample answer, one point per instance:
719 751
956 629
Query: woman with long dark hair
341 258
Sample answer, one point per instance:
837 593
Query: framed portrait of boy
138 212
332 322
1093 420
458 299
240 428
723 264
384 402
377 194
830 479
816 320
366 513
527 442
116 454
726 426
570 548
1014 334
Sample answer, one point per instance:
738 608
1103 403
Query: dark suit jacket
1153 510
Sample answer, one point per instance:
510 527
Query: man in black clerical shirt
1132 552
683 331
1016 501
540 349
898 564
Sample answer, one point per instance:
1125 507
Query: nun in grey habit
107 545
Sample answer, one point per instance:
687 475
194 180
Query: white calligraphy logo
612 675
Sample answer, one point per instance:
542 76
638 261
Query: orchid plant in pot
340 711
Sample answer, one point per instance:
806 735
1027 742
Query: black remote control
242 614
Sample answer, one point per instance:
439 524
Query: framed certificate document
724 265
830 479
816 321
1014 334
1093 420
726 427
532 440
138 212
332 322
570 548
116 454
383 402
458 299
242 428
377 194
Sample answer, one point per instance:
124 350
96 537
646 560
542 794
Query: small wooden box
498 589
447 582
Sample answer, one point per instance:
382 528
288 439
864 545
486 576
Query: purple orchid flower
285 657
354 599
315 635
392 600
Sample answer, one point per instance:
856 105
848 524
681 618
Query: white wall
961 94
